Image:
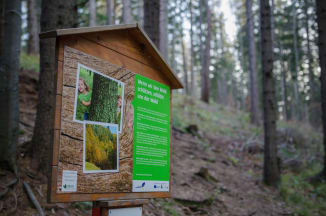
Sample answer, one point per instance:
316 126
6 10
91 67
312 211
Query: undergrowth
30 62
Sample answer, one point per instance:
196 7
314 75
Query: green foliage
306 199
101 148
29 62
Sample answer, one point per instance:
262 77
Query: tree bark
185 67
1 23
321 20
9 69
140 11
192 53
207 57
54 15
126 12
32 26
271 175
152 20
312 90
109 12
254 106
164 28
296 103
92 12
104 100
284 86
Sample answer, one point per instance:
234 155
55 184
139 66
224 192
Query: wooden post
102 208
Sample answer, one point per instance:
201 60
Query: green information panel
151 150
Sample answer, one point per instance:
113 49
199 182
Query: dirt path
215 179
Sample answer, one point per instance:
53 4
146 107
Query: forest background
273 69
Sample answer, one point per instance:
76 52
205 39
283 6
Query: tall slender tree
253 89
54 15
92 12
185 67
152 20
321 20
126 12
32 26
206 57
164 28
109 13
192 53
9 69
271 175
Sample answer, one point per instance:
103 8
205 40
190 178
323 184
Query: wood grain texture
71 136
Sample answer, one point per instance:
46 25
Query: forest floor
216 165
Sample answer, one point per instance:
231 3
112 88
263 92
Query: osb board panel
71 136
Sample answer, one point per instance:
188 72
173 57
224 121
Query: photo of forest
100 148
98 98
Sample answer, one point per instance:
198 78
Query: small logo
141 186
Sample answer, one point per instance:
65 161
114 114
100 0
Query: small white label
136 211
69 181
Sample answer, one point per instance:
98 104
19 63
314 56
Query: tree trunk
164 28
207 57
92 13
205 54
1 23
32 26
109 12
321 20
254 106
54 15
104 100
296 103
312 90
140 11
271 170
284 87
126 12
152 20
185 67
192 53
9 69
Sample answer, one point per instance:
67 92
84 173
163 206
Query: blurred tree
321 20
109 13
33 28
253 89
164 28
126 12
92 12
152 20
271 170
9 70
54 15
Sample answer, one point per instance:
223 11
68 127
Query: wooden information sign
112 127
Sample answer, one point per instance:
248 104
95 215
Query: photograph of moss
101 148
98 98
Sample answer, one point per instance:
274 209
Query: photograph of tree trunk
100 148
99 98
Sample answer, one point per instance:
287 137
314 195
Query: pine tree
54 15
152 20
321 20
254 106
9 69
271 170
32 26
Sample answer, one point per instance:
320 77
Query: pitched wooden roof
136 31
